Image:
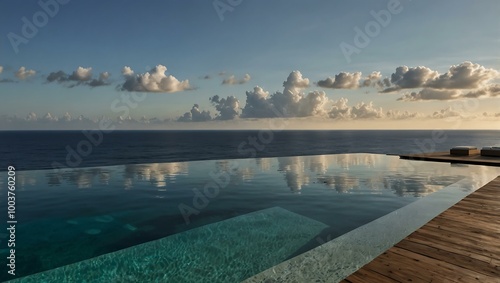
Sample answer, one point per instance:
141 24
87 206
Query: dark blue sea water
30 150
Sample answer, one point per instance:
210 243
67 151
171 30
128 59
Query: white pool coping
337 259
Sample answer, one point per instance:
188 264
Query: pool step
226 251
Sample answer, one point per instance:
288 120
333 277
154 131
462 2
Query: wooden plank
449 272
451 229
481 201
477 250
387 266
368 276
460 245
452 258
473 208
454 225
461 238
399 267
445 247
470 218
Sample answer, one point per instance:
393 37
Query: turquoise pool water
206 221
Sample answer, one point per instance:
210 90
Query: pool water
205 221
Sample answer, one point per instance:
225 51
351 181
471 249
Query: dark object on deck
464 150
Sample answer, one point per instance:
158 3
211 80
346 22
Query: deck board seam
446 251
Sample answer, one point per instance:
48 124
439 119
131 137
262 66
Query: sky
240 64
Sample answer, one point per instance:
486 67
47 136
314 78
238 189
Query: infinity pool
208 221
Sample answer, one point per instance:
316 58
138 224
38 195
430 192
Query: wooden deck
446 157
460 245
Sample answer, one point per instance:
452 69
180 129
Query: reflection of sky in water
343 173
158 174
126 205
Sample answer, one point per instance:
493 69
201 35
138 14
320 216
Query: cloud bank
195 115
342 80
465 80
289 103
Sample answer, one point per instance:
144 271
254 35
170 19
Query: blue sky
267 40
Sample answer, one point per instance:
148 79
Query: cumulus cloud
466 75
31 116
153 81
342 80
341 110
431 94
289 103
127 71
101 81
492 90
195 115
50 118
66 117
233 81
295 83
446 113
24 73
401 115
81 76
373 79
406 77
312 104
58 76
228 107
258 104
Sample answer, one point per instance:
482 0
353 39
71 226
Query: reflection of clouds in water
234 168
264 164
23 179
298 169
158 174
245 174
479 175
412 187
82 178
294 168
373 173
341 183
375 183
318 164
128 183
356 173
345 161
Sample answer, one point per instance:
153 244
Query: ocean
34 150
